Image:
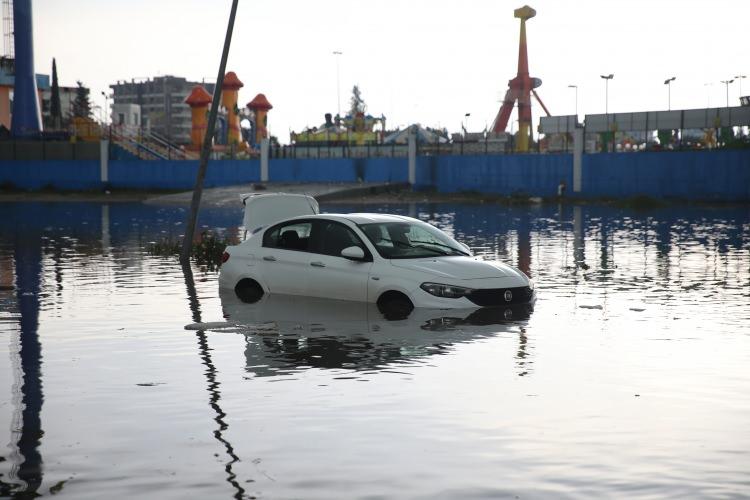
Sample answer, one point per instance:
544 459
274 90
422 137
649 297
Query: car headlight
446 291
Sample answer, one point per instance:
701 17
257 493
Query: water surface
628 379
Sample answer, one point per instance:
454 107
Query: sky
415 61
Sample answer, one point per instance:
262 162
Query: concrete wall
705 175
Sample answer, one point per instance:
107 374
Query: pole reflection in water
524 244
27 390
579 239
213 384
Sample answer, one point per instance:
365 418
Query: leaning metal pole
187 241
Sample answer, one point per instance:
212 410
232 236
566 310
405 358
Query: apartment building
162 104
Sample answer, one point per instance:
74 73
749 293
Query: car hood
459 268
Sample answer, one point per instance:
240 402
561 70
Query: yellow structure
260 106
86 129
229 92
198 100
355 130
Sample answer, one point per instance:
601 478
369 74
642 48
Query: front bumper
479 297
485 297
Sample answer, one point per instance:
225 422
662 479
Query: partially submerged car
395 261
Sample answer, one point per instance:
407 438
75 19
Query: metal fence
455 148
48 150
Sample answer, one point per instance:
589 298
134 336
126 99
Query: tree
55 109
357 104
81 104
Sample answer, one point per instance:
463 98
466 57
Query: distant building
67 98
162 104
8 83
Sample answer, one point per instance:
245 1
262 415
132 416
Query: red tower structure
520 89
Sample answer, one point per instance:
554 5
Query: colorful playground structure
354 130
231 136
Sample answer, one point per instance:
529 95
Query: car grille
496 296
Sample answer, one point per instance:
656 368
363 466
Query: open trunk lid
264 209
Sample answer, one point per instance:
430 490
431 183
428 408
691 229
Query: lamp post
338 53
668 83
708 93
606 78
576 89
739 78
106 106
466 123
727 82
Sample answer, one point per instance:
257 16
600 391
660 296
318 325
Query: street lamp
466 122
607 78
106 106
708 93
739 78
338 53
727 82
668 83
576 89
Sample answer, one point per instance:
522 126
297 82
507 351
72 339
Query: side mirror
353 253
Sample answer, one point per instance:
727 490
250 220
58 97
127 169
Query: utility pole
576 89
338 53
739 79
668 83
606 78
727 82
187 242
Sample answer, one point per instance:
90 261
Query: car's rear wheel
248 290
395 305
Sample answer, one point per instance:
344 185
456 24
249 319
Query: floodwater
628 380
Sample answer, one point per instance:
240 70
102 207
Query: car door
285 258
332 276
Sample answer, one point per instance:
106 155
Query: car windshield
410 240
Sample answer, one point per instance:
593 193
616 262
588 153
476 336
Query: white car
395 261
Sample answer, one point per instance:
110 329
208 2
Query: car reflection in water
287 333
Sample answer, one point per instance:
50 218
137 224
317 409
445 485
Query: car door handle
317 264
270 258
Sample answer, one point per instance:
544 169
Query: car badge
508 295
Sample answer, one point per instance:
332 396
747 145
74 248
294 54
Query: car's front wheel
395 305
248 290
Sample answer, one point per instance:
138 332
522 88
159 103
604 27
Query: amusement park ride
520 89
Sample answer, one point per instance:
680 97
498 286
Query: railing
456 148
145 144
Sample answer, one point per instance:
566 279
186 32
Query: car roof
360 218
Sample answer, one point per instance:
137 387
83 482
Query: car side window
289 236
333 237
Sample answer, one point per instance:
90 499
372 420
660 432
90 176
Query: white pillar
104 161
578 139
412 158
264 147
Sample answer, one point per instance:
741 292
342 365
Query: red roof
260 103
231 82
198 97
